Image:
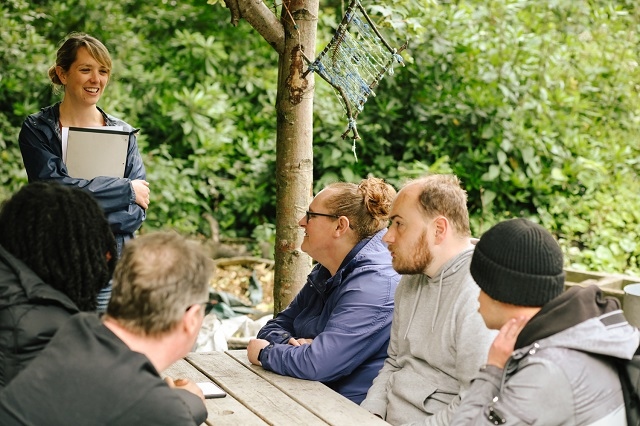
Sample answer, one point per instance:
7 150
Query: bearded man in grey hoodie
438 339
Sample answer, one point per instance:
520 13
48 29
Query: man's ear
191 321
441 225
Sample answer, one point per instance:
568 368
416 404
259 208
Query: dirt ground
233 276
235 264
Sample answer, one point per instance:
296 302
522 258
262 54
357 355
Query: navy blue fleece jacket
347 315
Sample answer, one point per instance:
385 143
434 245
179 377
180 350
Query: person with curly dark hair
336 330
57 252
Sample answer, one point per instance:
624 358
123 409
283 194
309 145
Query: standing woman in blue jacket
82 70
336 330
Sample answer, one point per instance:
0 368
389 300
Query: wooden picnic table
259 397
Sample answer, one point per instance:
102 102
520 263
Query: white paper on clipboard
89 152
65 135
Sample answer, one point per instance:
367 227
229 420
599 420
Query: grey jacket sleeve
525 398
163 407
195 406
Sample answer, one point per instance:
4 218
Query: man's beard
417 262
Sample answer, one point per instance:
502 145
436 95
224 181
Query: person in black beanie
548 363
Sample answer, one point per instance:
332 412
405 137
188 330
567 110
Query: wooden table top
259 397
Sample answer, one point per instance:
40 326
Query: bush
535 105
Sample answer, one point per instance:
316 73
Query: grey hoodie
438 342
559 373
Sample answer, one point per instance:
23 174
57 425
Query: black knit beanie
518 262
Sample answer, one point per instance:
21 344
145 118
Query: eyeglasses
311 214
204 305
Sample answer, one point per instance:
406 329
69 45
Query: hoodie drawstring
453 267
435 315
413 313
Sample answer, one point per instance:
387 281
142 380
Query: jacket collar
51 115
368 248
571 308
19 284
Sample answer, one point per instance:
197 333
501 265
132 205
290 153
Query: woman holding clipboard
82 70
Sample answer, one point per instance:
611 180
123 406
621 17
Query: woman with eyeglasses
336 330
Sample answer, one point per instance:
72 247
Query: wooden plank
612 285
265 400
332 407
225 411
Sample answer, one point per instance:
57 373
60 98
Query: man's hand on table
185 384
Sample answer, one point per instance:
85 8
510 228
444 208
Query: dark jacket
88 376
41 148
348 315
30 314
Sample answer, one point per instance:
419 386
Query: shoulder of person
115 121
46 114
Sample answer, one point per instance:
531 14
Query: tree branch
261 18
232 5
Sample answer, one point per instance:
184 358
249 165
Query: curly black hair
61 233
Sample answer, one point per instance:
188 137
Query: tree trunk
294 38
294 147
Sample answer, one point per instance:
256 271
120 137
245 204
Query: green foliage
201 91
266 236
19 44
535 105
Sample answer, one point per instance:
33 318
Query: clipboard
92 152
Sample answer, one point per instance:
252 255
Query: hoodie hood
446 275
451 267
582 319
19 284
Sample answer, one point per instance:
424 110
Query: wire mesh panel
355 60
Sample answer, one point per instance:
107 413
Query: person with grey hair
551 363
106 370
438 340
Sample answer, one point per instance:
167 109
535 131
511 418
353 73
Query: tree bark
294 148
294 38
261 18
